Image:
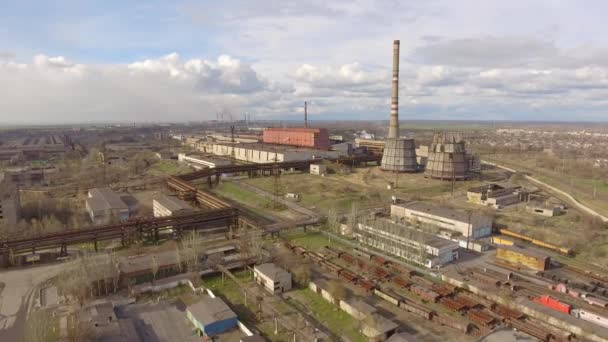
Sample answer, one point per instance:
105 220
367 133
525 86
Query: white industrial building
201 161
406 242
265 153
105 206
494 195
273 278
467 224
10 204
168 206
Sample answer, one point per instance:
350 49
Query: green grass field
313 241
171 167
364 186
336 320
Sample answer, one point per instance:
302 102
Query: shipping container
365 284
391 298
452 322
379 260
331 266
416 308
552 303
424 293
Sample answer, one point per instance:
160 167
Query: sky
79 61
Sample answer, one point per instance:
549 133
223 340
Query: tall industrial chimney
399 154
393 126
305 114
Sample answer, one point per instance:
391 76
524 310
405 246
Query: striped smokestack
393 126
305 114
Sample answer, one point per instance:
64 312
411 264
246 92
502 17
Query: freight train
562 250
583 314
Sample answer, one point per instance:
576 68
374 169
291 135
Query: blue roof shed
211 316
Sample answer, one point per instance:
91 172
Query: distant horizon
295 121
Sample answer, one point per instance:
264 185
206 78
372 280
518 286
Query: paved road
18 297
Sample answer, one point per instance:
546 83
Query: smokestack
305 114
393 126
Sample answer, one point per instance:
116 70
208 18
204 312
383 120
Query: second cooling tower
447 158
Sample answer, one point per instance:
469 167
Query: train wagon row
562 250
405 304
586 315
427 313
341 272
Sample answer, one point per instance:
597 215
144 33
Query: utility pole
305 114
232 151
276 173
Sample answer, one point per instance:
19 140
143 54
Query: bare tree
333 222
337 290
38 326
301 274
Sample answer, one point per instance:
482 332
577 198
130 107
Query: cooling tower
447 158
399 154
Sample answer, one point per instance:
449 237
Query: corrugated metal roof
210 310
447 213
105 199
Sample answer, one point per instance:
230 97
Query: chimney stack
305 114
393 126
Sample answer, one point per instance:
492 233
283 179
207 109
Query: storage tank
447 158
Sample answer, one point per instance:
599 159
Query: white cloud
466 59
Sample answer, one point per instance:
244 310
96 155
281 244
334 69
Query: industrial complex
241 230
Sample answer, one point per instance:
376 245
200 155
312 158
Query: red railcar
553 303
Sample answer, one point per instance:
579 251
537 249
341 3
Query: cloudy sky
120 60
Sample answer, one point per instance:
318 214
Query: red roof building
303 137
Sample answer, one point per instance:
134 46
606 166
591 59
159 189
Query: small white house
273 278
318 169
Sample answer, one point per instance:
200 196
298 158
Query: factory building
202 161
273 278
494 195
10 204
169 205
211 316
264 153
302 137
543 209
406 242
105 206
447 158
372 146
518 255
474 224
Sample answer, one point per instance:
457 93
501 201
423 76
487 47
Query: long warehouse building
406 242
473 224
